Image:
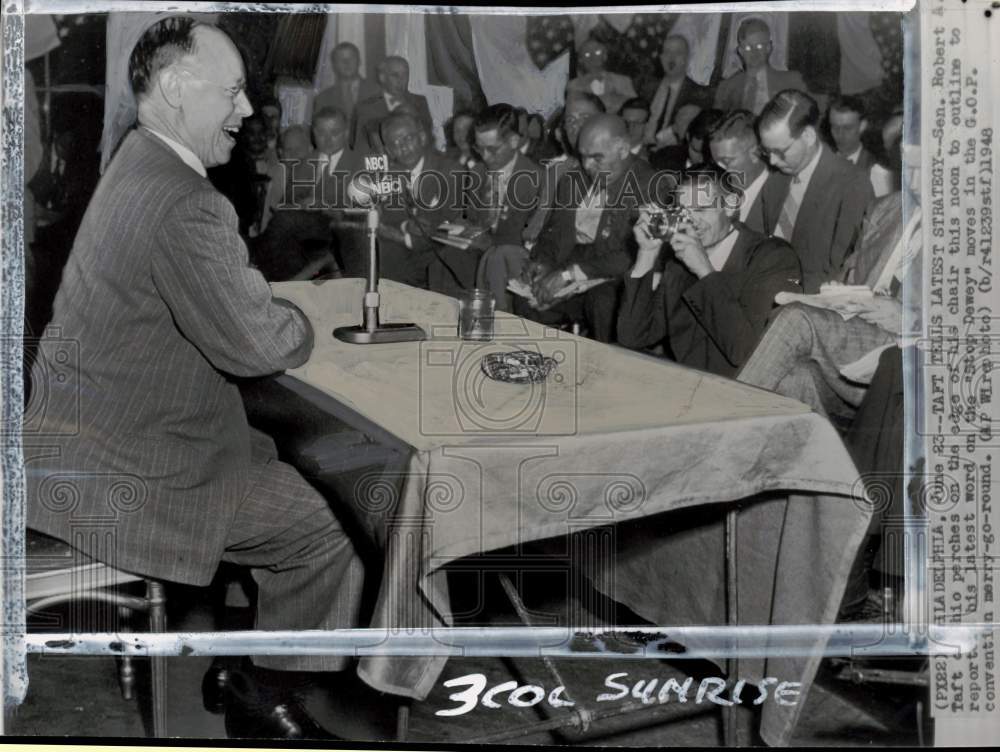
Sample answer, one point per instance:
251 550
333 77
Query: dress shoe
251 714
215 688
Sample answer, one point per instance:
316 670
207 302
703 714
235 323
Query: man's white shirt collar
330 161
719 253
854 155
391 102
187 156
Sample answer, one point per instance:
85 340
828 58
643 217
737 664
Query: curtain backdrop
451 60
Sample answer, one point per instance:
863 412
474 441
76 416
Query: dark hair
797 107
587 97
737 124
346 46
703 124
687 44
635 103
849 104
726 183
750 25
162 44
328 113
503 117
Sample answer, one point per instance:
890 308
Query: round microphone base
359 335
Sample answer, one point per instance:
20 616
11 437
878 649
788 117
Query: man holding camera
709 306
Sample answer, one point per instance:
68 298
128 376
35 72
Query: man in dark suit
150 428
734 147
710 305
848 122
758 82
350 87
588 235
394 80
675 91
427 191
503 195
819 205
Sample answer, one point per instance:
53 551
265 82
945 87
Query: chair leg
158 664
402 720
126 670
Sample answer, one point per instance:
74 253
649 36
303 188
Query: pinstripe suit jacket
136 430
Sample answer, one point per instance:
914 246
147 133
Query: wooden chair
57 573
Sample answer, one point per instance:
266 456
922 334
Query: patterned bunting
548 37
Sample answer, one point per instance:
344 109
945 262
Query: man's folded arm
642 320
221 304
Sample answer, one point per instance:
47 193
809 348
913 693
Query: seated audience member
394 80
536 146
612 88
886 173
458 134
590 239
580 107
504 186
270 110
635 113
758 82
336 165
848 121
692 149
733 146
804 348
349 86
819 205
675 91
710 305
297 241
244 179
422 203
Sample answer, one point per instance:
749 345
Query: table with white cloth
611 438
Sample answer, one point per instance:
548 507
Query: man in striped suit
147 432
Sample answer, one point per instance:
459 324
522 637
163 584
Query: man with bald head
676 90
613 89
148 425
394 82
588 233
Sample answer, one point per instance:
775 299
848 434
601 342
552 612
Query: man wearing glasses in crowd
613 89
819 205
752 88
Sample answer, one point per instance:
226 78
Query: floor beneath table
69 696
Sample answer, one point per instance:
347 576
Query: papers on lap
523 289
457 235
847 300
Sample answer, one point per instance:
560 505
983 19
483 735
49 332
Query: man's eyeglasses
404 141
766 153
593 53
758 47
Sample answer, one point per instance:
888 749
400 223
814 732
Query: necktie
493 199
667 107
789 211
353 88
750 93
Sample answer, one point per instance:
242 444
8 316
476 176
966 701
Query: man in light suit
675 91
350 86
710 304
733 145
754 86
149 428
394 80
819 205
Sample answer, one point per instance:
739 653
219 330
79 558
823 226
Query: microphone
365 191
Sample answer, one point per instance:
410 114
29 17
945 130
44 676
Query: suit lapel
816 191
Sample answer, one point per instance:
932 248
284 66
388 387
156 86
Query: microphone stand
371 332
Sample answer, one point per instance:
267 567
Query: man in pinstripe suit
148 432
